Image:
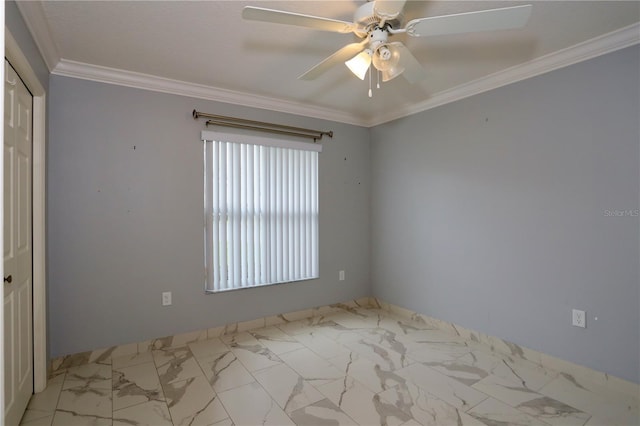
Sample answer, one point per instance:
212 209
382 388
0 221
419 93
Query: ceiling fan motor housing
377 38
366 20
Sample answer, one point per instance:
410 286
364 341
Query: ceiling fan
376 22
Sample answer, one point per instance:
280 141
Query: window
261 209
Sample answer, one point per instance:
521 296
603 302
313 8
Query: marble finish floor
355 367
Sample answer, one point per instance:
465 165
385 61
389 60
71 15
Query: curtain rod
241 123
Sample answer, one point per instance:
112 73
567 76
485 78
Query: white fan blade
342 55
388 9
413 70
300 20
484 20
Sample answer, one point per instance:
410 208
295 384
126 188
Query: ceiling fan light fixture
385 57
360 63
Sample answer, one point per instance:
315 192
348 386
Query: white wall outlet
579 318
341 275
166 298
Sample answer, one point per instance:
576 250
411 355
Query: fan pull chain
378 85
370 92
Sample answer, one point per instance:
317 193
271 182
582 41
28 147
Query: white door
18 286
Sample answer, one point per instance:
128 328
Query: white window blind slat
278 215
243 215
314 212
222 216
264 216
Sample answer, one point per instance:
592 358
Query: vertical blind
261 208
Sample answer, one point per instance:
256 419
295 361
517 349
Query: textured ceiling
207 43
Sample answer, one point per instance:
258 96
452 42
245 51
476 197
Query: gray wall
125 211
20 32
491 212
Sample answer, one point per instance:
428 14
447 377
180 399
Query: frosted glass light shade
359 64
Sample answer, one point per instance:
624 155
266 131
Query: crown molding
607 43
137 80
33 15
21 64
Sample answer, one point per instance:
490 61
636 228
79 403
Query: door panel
9 359
18 269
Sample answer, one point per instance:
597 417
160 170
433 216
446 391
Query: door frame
20 63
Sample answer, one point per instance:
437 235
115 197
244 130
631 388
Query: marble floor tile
135 385
458 370
311 367
425 408
252 405
387 356
357 310
582 396
293 328
523 373
530 402
596 421
627 399
361 404
96 376
83 406
437 351
29 419
152 413
224 422
224 371
412 422
287 387
321 344
66 418
352 322
208 348
399 326
444 387
370 374
176 364
243 338
323 412
388 339
192 402
43 405
304 325
428 335
255 356
382 330
48 399
166 354
482 359
377 318
276 340
131 360
340 334
179 370
493 412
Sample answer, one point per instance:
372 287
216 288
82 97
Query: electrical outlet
341 275
166 298
579 318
